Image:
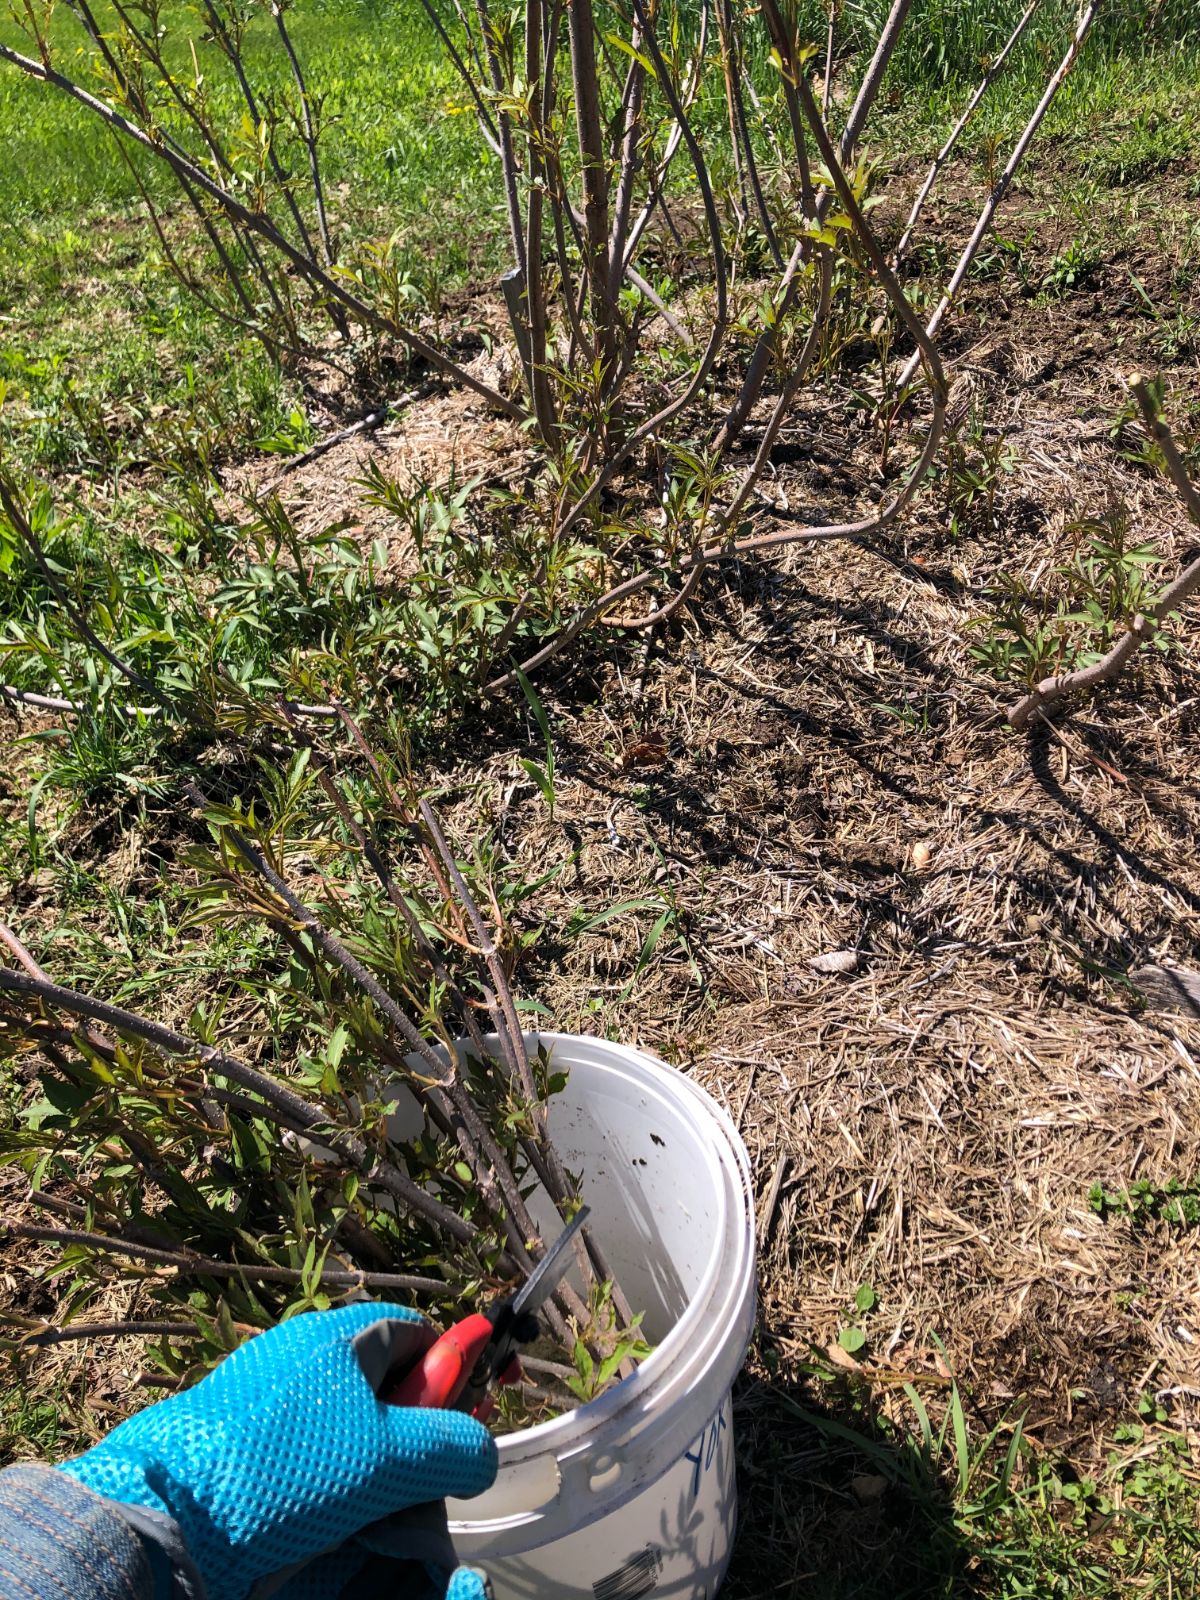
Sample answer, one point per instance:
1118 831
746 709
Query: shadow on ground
835 1505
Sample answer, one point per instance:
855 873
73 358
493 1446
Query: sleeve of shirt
60 1541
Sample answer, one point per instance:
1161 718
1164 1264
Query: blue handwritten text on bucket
703 1452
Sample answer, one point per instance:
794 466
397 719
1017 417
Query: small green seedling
592 1376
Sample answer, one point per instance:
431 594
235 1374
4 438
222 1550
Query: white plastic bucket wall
635 1494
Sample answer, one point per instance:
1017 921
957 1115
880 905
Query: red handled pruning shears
457 1372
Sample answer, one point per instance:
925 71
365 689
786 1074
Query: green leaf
961 1449
338 1041
225 1328
918 1406
302 1209
1010 1460
584 1365
68 1097
541 778
865 1299
535 705
576 926
852 1340
463 1171
610 1364
623 45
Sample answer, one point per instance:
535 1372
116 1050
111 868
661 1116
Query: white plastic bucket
635 1493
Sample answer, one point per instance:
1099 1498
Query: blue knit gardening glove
284 1453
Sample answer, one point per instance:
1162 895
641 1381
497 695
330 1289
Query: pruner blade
551 1269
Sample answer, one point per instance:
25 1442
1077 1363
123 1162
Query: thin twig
187 1264
50 702
511 1038
16 948
1000 189
310 134
486 125
373 419
1080 752
43 1334
830 33
944 154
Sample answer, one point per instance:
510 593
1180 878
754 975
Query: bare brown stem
41 1334
617 456
310 133
594 175
15 948
783 37
511 1039
947 150
628 162
740 131
509 1030
1000 189
466 76
188 1264
767 342
830 36
538 75
508 158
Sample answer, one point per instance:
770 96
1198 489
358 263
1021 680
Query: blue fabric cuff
59 1541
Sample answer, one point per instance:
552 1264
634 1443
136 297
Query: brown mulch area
944 1109
931 1123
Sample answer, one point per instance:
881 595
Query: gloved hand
284 1452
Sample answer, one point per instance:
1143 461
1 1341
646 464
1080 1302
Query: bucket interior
651 1177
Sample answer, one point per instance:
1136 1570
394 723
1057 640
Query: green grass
376 67
30 1429
88 308
89 311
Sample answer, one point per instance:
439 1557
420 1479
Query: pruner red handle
457 1370
439 1376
